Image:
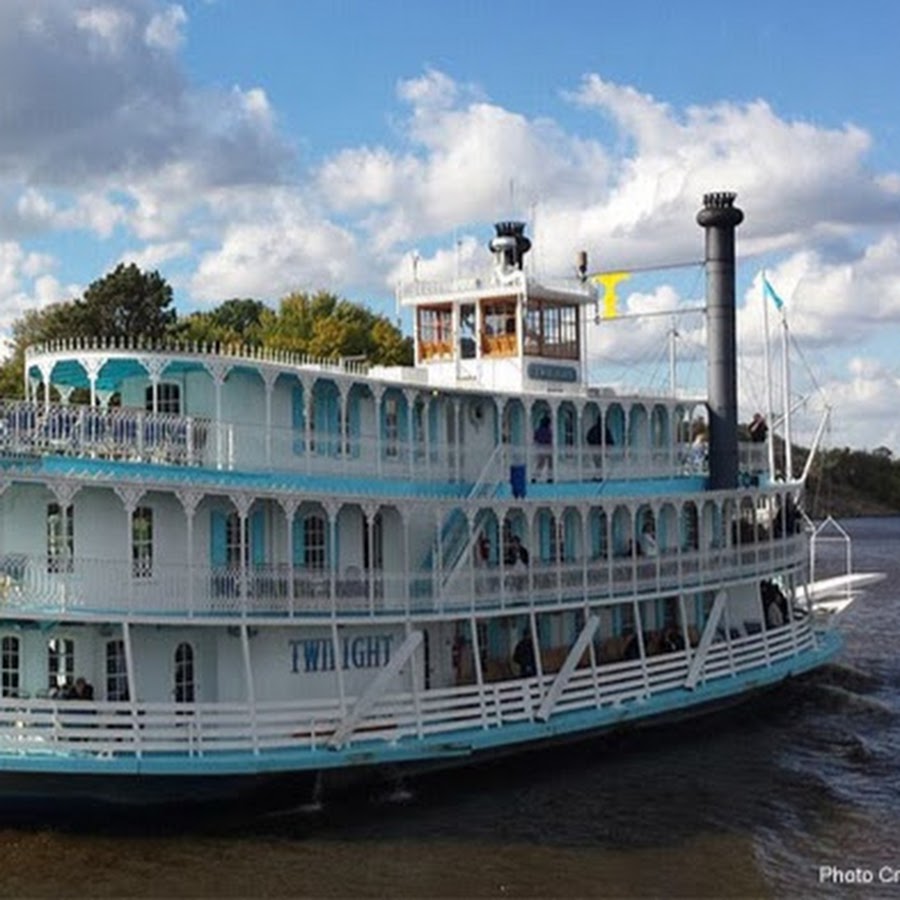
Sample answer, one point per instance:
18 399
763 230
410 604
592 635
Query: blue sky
253 148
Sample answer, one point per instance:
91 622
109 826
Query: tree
325 326
236 321
126 303
37 326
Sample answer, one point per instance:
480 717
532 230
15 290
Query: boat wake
851 678
841 699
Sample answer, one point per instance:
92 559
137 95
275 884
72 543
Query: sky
250 148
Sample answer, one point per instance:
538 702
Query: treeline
845 483
131 303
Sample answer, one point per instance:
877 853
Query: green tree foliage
126 303
323 325
236 321
845 482
37 326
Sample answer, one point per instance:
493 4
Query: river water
797 796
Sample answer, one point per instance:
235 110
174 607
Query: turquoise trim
258 537
218 538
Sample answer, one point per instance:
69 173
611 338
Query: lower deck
436 691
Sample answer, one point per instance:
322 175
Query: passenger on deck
759 430
516 552
81 690
672 638
523 656
543 438
594 438
699 449
774 604
482 550
647 544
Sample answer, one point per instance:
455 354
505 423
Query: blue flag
770 293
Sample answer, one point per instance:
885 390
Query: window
314 555
60 537
233 540
184 674
116 671
391 426
60 664
551 329
418 428
142 542
168 398
499 328
435 331
10 661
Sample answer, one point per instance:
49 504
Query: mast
770 406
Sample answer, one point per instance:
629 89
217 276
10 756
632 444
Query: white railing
119 434
95 586
108 730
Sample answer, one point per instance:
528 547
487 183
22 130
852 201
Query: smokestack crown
510 245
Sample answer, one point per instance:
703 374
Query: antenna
673 357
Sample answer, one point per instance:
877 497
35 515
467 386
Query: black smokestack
510 243
720 217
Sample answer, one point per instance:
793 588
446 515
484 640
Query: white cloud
278 248
153 256
27 282
108 27
865 398
93 98
164 31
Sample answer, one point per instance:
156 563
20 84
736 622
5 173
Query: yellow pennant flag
609 280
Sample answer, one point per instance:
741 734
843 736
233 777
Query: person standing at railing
758 428
523 656
594 438
543 438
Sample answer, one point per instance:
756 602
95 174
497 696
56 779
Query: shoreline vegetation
847 483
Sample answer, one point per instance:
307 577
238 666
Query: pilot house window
435 331
551 329
499 337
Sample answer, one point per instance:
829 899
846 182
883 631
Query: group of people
596 436
543 439
81 689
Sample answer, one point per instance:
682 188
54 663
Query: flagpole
770 405
788 456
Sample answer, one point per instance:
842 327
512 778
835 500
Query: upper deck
245 411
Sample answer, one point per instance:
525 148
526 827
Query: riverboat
228 566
